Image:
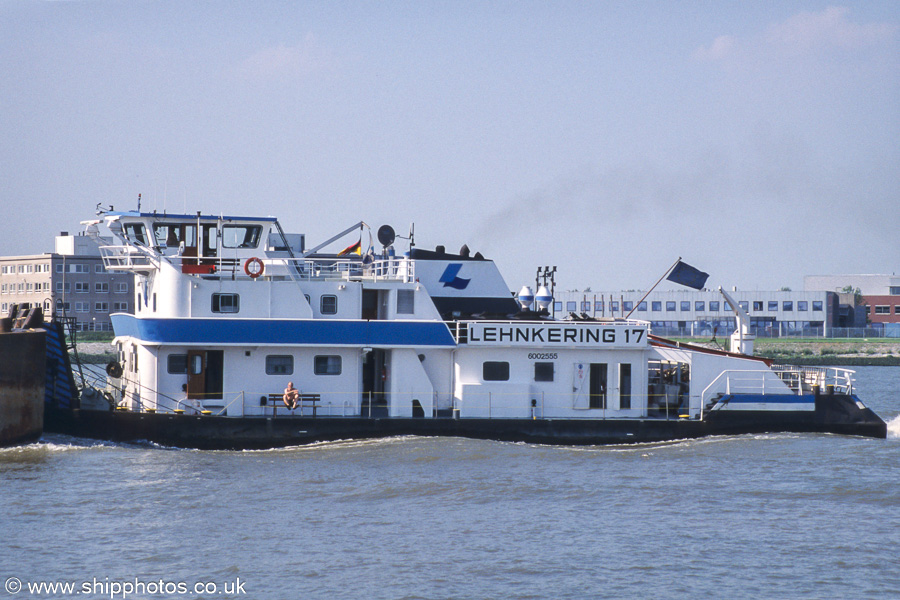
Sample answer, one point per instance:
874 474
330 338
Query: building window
225 303
773 305
613 306
598 306
714 306
543 371
82 287
745 305
82 307
802 305
3 289
642 307
757 306
177 364
328 305
557 306
670 306
897 309
406 302
101 307
895 290
817 305
628 306
787 305
495 371
280 365
121 288
685 305
656 306
327 365
101 288
59 267
700 306
868 310
571 305
98 268
586 306
882 310
120 307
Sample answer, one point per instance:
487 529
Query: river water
771 516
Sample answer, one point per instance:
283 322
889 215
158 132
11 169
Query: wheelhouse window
136 233
226 303
277 364
328 305
495 371
327 365
177 364
543 371
241 236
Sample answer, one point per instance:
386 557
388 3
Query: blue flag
687 275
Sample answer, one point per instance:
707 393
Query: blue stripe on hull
322 332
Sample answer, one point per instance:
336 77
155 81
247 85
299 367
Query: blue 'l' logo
449 278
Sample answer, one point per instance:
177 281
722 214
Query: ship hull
22 385
838 414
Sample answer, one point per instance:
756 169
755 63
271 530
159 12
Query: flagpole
669 270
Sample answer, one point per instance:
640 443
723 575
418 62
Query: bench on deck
276 401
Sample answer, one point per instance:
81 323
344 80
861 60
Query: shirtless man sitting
291 396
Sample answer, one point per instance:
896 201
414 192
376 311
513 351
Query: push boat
229 310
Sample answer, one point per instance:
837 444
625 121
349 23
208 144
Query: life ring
254 267
114 369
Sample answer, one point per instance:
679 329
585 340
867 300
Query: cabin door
597 396
374 377
205 374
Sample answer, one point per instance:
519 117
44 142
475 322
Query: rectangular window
895 290
802 305
82 307
121 288
757 306
120 306
495 371
59 267
773 305
280 365
101 288
625 385
700 305
642 307
787 305
685 305
897 309
817 305
29 287
628 306
557 306
225 303
328 305
586 306
101 307
327 365
406 302
656 306
613 306
82 287
882 310
543 371
241 236
177 364
3 289
714 306
670 305
98 268
571 305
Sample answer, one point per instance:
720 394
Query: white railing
127 258
797 380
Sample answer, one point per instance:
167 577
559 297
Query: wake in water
893 428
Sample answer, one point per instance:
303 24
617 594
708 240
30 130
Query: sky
758 141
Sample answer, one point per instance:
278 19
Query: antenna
139 203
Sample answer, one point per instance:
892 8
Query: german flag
352 249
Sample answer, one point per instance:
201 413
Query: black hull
834 414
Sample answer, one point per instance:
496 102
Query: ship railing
128 258
307 269
802 379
